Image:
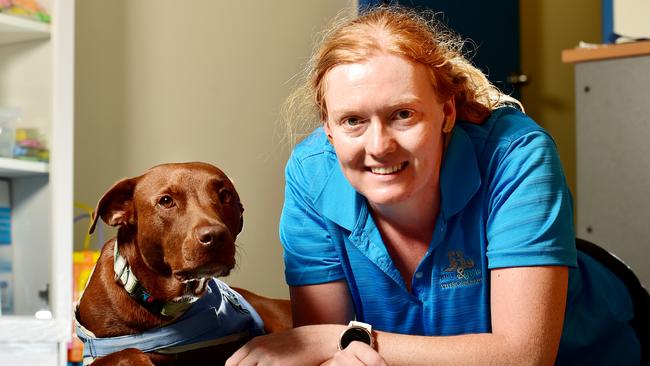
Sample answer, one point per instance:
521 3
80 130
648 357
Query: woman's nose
380 140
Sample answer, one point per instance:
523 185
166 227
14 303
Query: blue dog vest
220 316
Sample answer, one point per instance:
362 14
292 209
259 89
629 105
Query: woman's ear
328 131
449 110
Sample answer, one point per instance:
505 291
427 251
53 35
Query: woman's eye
166 201
226 196
351 121
404 114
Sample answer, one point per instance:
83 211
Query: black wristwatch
357 331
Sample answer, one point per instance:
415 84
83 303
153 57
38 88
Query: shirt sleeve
310 256
530 213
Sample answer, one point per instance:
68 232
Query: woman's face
385 122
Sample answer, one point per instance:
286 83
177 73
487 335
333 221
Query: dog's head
180 220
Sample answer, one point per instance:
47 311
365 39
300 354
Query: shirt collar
460 179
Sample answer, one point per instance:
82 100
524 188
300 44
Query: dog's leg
127 357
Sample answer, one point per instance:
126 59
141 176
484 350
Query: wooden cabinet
37 77
613 154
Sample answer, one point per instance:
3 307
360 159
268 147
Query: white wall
165 81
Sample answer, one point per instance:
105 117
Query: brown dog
177 225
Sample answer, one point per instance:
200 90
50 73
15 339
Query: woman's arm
527 313
327 303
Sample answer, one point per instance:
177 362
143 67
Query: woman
430 209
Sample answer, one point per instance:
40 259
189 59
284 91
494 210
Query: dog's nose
211 235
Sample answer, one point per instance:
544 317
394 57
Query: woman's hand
356 354
307 345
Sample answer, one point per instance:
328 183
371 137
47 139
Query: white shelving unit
15 30
14 168
37 76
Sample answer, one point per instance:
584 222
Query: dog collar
134 288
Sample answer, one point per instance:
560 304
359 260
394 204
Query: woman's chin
385 197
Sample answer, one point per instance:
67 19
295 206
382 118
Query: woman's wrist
322 339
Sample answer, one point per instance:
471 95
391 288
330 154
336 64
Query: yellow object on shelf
83 263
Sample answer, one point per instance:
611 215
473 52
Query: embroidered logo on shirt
461 272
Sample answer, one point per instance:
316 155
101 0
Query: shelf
29 329
14 29
37 74
14 168
606 51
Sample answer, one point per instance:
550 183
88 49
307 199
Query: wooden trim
605 51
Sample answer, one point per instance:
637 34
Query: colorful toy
25 8
30 145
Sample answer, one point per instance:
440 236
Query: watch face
355 334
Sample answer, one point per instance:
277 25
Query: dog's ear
116 205
233 213
235 209
241 217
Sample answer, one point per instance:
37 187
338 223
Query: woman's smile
388 170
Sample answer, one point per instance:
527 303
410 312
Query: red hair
408 34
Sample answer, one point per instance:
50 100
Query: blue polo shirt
504 203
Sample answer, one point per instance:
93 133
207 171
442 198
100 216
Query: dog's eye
226 196
166 201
